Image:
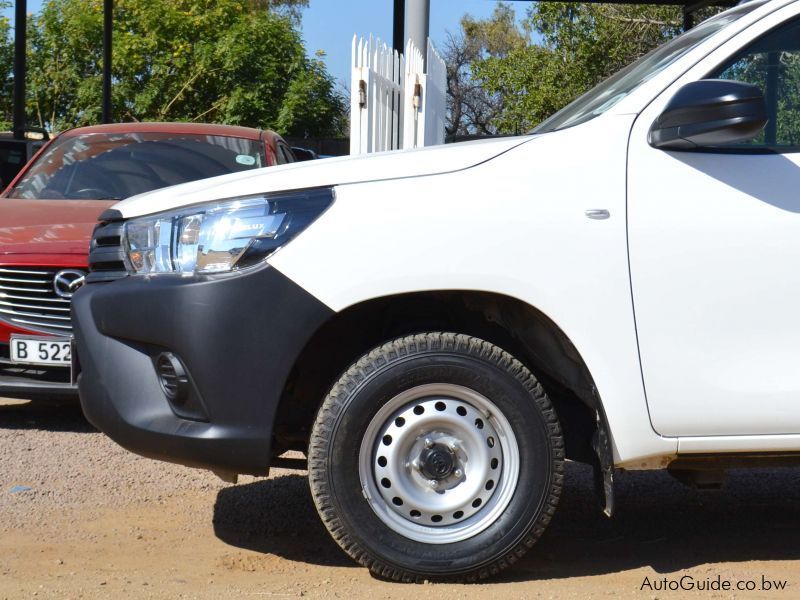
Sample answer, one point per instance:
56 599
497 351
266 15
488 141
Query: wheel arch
516 326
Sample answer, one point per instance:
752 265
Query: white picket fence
394 103
435 106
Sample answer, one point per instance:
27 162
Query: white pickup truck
439 330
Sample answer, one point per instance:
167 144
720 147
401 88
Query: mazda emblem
67 282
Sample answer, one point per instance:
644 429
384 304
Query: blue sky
329 25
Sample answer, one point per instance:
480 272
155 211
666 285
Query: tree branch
214 106
163 112
640 20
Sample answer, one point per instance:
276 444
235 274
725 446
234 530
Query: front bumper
238 336
34 388
34 383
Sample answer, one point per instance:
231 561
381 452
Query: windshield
113 166
601 98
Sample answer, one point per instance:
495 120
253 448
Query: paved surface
82 518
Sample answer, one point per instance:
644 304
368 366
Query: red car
49 210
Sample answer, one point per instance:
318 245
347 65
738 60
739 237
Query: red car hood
54 227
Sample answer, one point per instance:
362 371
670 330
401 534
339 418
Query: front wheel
436 456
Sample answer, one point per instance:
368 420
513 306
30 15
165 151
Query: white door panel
715 265
715 270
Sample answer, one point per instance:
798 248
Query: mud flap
604 467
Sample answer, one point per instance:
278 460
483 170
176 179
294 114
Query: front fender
515 225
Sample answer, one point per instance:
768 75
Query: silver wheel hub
439 463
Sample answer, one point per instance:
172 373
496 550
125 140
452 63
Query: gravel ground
82 518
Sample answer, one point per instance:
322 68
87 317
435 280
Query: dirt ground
82 518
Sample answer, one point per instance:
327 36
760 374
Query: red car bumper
31 305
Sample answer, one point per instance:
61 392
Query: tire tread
379 358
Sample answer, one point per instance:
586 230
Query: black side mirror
710 112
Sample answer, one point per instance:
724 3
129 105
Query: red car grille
28 299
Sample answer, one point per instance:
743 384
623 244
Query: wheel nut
433 483
428 443
458 473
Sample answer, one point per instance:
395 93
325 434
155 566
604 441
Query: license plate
41 351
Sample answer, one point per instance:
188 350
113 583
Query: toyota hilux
438 330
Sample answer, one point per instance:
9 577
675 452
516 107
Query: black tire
391 370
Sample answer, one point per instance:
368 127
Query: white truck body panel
327 172
516 226
714 253
509 216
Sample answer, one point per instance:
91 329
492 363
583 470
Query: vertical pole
418 17
688 18
108 21
399 45
20 70
398 29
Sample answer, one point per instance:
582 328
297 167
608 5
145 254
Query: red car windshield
113 166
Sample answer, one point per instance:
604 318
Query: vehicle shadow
659 524
667 526
736 171
43 416
276 516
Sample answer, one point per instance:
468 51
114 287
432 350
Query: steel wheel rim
439 463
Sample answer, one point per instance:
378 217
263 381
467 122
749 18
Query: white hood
319 173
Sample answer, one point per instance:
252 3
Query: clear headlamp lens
222 236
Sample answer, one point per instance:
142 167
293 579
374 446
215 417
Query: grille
28 300
106 261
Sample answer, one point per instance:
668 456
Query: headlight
220 236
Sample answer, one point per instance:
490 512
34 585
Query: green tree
226 61
290 8
64 54
6 69
471 108
312 105
577 46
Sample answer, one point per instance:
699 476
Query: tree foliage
570 47
312 104
777 71
228 61
289 8
471 108
6 68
